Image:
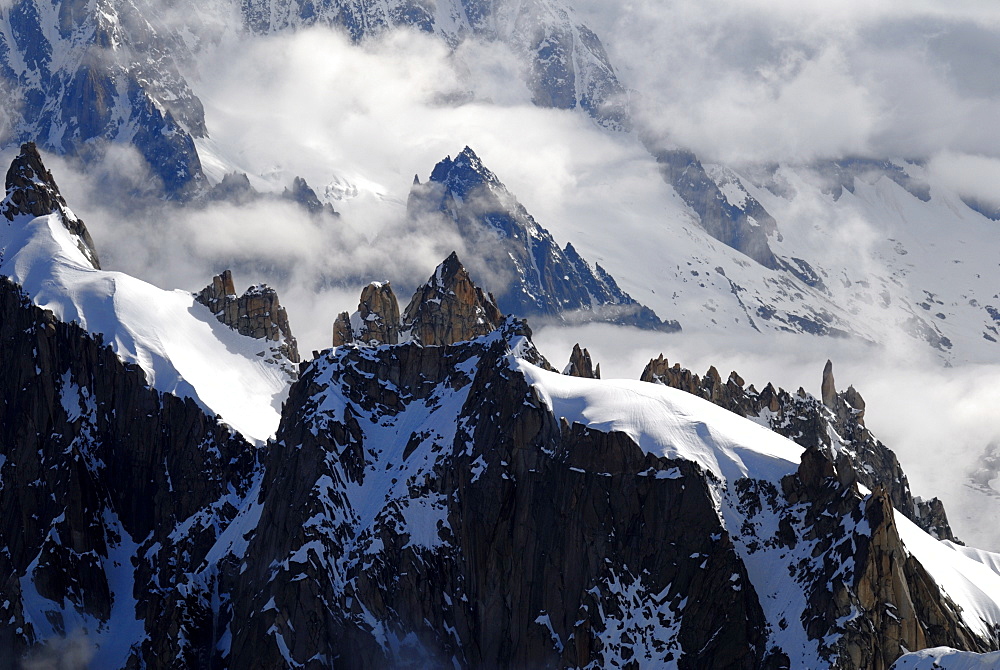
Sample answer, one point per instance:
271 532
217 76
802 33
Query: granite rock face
112 494
32 192
901 608
581 365
379 314
834 423
257 313
449 308
536 278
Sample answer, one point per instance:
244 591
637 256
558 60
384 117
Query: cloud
70 653
774 80
971 176
357 122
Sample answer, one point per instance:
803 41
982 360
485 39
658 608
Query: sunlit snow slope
179 344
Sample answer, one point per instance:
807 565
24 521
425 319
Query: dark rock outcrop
236 188
876 602
535 277
257 313
32 192
835 424
519 541
842 175
581 365
112 494
303 194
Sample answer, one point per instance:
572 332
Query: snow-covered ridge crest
743 456
177 342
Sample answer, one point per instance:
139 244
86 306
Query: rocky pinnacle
32 191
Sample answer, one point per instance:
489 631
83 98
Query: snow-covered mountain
448 499
182 487
532 276
176 341
565 64
78 74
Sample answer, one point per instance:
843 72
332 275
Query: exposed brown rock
581 365
32 191
379 312
342 333
828 389
877 602
257 313
449 308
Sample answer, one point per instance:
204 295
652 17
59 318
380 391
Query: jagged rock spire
257 313
379 312
32 191
343 333
828 390
449 308
581 365
376 321
540 277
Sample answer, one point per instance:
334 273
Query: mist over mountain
760 187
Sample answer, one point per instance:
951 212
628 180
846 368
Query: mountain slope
534 277
80 73
178 343
458 504
566 64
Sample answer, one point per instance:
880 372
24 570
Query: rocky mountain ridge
833 423
257 313
456 503
536 279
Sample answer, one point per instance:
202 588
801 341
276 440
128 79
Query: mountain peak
450 308
463 173
32 191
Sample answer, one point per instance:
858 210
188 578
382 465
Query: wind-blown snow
973 585
178 343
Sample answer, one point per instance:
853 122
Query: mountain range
187 483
